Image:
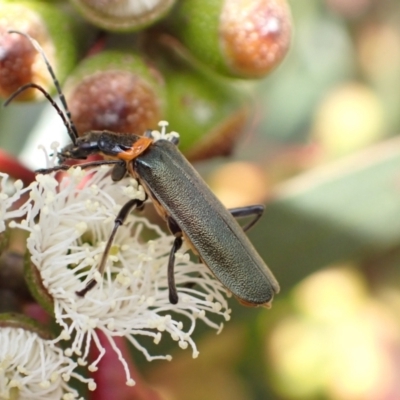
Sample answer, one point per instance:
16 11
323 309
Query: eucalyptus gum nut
21 63
123 15
15 320
221 140
208 112
237 38
35 285
115 91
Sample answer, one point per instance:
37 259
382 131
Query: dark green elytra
211 229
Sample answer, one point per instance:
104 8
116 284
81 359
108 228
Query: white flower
69 223
9 194
33 368
163 134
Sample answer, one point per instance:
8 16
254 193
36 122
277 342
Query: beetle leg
177 232
119 171
173 293
256 211
65 167
119 220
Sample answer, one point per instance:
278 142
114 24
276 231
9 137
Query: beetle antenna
48 97
72 132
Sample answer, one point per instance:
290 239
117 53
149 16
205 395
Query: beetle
182 198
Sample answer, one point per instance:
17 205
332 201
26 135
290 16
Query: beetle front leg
65 167
119 220
255 210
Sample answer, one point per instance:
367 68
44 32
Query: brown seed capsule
114 100
19 61
115 91
238 38
17 56
255 35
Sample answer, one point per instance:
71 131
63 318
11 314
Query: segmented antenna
67 119
48 97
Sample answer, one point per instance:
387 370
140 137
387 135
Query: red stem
110 376
11 166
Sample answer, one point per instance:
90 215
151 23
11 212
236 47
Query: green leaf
346 210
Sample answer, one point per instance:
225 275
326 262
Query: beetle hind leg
177 232
255 211
173 293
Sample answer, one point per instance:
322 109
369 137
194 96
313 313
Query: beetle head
83 147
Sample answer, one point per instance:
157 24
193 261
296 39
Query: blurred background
325 153
321 150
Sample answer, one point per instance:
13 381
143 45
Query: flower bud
20 63
15 320
123 15
35 283
115 91
238 38
210 113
